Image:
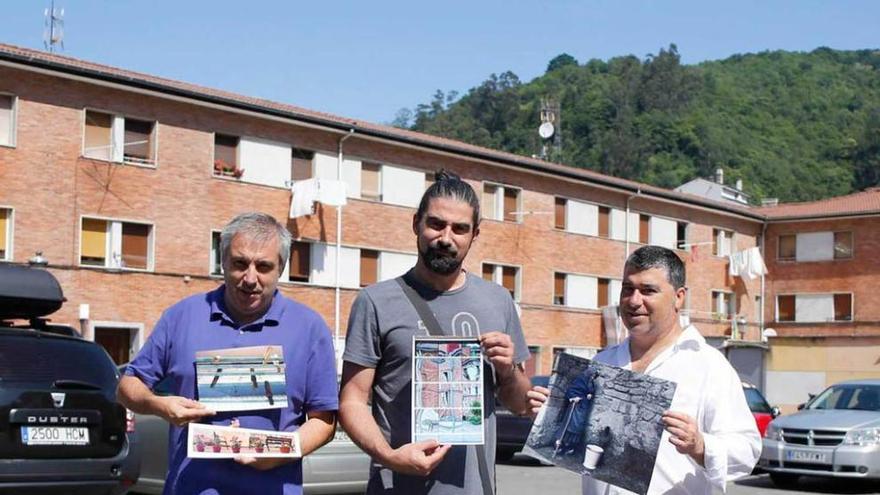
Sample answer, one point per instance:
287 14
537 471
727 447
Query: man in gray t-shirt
378 353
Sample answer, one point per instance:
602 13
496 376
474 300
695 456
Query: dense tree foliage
797 126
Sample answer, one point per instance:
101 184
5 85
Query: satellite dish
546 130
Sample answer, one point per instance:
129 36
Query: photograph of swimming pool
242 379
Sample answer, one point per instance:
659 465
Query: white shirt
708 390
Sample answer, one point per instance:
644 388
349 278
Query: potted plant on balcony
225 169
257 444
200 443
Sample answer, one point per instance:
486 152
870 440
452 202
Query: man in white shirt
710 435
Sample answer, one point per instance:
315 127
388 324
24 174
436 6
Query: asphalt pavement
524 475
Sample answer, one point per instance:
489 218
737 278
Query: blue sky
367 59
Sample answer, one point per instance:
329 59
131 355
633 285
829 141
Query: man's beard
440 260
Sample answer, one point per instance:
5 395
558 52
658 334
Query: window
119 139
842 307
604 221
559 213
602 292
315 263
7 120
369 267
226 155
115 244
814 308
723 242
787 249
843 245
500 203
370 182
785 308
300 262
559 289
586 292
5 234
532 366
216 254
138 144
98 137
301 164
723 305
644 228
505 276
815 246
681 238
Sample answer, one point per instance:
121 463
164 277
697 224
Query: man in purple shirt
247 310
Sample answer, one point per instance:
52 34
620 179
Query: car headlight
863 436
773 433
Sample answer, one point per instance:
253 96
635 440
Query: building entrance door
117 341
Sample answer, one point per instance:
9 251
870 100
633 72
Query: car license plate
805 456
54 435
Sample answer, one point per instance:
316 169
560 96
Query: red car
761 410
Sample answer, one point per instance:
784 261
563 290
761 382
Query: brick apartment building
823 262
123 180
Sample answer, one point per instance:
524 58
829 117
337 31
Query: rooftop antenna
53 32
549 129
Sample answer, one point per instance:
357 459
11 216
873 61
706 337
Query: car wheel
784 480
504 454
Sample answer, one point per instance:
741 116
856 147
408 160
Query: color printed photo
448 391
242 379
225 442
601 421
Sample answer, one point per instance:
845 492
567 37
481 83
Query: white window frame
214 172
729 303
499 202
10 229
382 193
285 273
686 246
779 248
498 274
136 339
211 272
119 119
567 296
852 307
598 235
13 124
731 245
115 225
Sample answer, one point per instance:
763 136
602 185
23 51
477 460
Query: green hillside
797 126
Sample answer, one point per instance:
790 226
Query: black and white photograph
601 421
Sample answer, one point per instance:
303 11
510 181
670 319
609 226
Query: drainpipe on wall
763 286
626 224
338 248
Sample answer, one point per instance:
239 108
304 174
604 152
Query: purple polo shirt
201 322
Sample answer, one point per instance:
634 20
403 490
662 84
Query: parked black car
61 429
513 430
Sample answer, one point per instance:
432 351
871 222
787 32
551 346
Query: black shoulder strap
422 308
434 329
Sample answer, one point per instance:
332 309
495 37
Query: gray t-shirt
380 335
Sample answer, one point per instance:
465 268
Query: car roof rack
28 293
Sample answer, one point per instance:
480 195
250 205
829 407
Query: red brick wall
51 187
